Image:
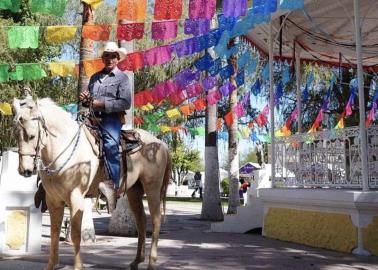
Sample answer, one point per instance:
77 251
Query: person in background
109 95
244 185
198 184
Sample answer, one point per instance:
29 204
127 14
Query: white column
299 79
361 98
271 92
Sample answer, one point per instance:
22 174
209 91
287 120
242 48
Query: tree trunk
122 220
233 155
86 48
211 206
88 234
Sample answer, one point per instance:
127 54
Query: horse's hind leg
56 211
135 196
153 198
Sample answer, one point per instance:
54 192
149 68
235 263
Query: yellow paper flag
173 113
62 69
5 108
340 124
165 129
60 33
147 107
93 3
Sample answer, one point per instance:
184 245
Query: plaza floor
186 243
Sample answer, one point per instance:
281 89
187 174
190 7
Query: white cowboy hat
111 46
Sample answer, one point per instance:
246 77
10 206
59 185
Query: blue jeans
111 132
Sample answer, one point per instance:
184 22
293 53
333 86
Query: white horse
71 169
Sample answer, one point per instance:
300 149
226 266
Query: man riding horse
109 96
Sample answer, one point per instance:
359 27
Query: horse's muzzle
27 173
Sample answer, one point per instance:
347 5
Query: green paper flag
33 72
17 75
52 7
201 131
4 74
23 37
12 5
154 128
28 72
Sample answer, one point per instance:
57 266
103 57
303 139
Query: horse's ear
16 106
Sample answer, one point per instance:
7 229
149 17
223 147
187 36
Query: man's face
110 60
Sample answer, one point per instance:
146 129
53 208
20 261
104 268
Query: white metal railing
329 158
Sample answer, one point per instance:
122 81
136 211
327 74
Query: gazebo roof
323 30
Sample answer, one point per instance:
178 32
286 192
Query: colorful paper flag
55 7
59 34
168 9
4 72
23 37
12 5
132 10
96 32
130 31
6 109
164 30
92 66
93 3
62 69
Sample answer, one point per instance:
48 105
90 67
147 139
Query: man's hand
85 98
98 105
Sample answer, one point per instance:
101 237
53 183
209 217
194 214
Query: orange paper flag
187 109
96 32
229 119
200 104
131 10
92 66
219 123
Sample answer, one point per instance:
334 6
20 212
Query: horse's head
29 129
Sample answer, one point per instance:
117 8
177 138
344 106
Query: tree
183 160
233 154
62 90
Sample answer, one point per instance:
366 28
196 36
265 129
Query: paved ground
186 244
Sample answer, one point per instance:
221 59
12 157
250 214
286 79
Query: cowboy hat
112 47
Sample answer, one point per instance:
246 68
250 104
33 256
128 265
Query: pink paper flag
201 9
158 55
164 30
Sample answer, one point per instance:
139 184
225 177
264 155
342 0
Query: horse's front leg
56 211
77 207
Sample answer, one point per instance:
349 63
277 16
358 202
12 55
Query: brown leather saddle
130 140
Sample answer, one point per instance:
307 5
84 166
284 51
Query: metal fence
328 159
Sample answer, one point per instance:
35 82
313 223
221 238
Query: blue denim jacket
113 89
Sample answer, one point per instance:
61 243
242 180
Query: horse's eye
31 137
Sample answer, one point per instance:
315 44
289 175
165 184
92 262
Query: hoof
133 265
151 267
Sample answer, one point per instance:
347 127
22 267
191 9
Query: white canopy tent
324 32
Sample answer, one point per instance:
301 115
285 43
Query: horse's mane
48 105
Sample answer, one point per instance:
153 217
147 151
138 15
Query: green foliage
250 157
61 90
185 159
225 186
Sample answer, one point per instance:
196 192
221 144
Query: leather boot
40 198
107 188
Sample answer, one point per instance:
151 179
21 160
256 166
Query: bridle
37 161
36 155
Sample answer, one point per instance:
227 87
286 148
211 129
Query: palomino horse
69 168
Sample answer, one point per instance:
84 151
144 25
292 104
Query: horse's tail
167 176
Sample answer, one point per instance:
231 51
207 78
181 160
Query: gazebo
329 199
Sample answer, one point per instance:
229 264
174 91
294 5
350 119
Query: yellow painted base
370 234
318 229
